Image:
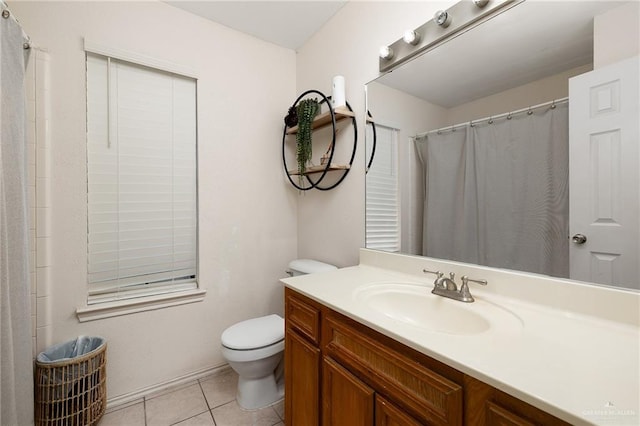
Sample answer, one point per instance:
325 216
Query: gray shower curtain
497 194
16 367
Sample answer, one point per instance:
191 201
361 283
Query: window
142 180
382 211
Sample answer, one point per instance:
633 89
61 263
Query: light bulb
411 37
386 52
442 18
481 3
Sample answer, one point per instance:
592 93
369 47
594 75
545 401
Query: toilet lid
254 333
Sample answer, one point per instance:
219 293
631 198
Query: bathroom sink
415 306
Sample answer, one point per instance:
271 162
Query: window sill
142 304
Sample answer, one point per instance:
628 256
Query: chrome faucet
446 283
446 287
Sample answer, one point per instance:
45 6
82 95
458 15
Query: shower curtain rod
490 119
6 14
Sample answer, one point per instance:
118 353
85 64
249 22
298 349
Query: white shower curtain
16 366
497 194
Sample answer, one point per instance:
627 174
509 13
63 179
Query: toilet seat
234 355
255 333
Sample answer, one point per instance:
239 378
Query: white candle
338 94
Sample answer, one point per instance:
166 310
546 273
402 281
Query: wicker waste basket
70 383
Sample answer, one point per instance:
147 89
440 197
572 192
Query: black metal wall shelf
330 118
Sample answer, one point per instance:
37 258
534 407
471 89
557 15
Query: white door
604 181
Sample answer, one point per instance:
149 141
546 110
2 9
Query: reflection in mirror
481 154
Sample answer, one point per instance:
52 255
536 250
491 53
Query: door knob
579 239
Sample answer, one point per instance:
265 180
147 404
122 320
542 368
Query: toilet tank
308 266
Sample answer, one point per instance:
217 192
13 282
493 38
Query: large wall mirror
507 146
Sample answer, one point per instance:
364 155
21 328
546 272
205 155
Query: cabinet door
346 401
488 406
427 395
498 416
388 414
302 381
302 316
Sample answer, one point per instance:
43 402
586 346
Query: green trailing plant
307 110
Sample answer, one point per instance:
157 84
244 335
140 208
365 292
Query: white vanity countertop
575 362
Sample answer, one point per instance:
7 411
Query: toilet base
259 393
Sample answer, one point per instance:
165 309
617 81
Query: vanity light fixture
411 37
442 18
386 52
443 26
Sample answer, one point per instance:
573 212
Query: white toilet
254 348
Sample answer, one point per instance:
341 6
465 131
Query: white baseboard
121 401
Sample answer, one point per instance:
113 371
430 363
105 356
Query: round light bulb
386 52
411 37
442 18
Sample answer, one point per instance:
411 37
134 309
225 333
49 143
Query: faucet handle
465 280
436 273
464 288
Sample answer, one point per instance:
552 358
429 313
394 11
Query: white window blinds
142 191
382 211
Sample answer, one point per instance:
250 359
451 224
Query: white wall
247 211
530 94
616 35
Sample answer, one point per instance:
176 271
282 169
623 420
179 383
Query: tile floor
207 401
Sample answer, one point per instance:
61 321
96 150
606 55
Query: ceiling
285 23
531 41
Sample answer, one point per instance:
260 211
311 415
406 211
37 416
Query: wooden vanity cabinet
339 372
